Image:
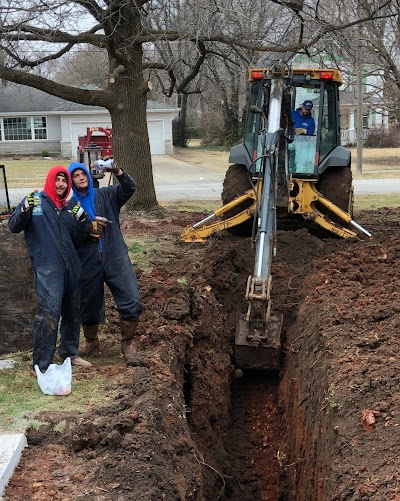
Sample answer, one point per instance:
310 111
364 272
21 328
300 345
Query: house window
39 127
24 128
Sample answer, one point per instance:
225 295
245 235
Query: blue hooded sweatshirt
107 260
87 200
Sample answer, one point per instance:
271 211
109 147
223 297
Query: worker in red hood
53 227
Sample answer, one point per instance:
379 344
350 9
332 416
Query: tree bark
181 131
131 146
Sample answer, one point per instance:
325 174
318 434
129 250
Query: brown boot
79 362
92 342
128 331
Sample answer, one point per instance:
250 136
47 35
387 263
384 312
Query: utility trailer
95 136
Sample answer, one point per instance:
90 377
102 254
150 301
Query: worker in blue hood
105 259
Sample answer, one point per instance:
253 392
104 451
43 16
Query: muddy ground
188 427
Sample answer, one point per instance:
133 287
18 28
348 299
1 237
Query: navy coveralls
50 238
108 261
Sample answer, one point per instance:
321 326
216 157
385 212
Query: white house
32 121
375 112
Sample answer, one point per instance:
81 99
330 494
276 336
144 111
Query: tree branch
31 33
74 94
32 64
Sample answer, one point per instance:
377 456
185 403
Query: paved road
370 186
175 180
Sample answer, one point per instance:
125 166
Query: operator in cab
303 121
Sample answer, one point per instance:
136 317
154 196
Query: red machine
103 140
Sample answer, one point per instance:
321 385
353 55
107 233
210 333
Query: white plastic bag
57 379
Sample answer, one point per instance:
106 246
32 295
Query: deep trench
251 460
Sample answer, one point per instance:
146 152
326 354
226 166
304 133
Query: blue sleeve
311 129
295 118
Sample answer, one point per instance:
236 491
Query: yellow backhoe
278 173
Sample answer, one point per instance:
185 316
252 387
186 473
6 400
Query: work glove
300 130
30 202
78 212
98 226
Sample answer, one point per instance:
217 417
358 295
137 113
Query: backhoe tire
336 185
236 183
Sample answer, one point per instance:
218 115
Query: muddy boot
133 357
92 342
79 362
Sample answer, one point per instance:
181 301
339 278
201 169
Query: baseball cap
307 105
62 174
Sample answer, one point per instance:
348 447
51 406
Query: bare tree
87 67
33 32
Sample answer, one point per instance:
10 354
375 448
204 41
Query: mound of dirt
188 426
17 296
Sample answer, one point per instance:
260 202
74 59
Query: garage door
156 136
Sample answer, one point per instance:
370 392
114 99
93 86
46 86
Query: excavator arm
200 231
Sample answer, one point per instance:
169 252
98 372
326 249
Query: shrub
45 153
179 134
214 131
194 132
383 138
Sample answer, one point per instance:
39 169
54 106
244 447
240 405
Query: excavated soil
190 426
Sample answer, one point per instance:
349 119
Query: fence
5 207
349 136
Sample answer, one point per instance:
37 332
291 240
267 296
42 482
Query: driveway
177 180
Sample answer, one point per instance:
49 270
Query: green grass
21 398
376 201
143 253
29 173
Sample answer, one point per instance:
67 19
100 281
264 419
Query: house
32 121
375 112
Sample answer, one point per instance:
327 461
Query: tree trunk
128 99
181 132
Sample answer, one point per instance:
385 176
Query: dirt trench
187 427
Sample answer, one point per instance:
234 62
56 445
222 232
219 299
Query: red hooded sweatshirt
50 186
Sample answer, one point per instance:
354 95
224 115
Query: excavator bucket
258 351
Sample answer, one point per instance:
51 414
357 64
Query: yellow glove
78 212
30 201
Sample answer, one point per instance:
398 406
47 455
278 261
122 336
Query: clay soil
188 425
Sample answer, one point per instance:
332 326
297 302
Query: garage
156 136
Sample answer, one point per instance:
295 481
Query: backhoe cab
276 173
